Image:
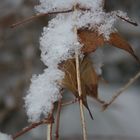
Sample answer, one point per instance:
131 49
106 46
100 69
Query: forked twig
120 91
32 126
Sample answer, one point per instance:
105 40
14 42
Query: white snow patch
58 41
43 92
5 136
55 5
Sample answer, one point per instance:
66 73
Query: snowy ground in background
120 120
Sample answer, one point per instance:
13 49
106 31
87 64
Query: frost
5 136
58 43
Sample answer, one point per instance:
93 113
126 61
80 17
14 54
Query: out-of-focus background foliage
19 59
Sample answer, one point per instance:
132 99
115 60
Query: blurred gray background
20 58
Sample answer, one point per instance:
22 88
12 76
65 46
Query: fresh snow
58 43
55 5
5 136
43 93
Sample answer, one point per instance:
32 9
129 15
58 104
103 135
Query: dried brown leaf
90 40
89 79
117 41
69 80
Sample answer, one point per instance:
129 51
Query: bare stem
58 119
38 16
70 102
32 126
49 127
128 20
49 132
120 91
79 83
80 94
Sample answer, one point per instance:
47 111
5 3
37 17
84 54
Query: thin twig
32 126
49 127
120 91
80 93
70 102
58 119
58 12
128 20
44 14
38 16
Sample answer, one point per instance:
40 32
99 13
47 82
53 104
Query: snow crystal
5 136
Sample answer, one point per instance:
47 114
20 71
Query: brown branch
127 20
120 91
45 14
58 119
65 11
32 126
38 16
50 127
70 102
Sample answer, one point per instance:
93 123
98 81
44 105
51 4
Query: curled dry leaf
117 41
91 40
